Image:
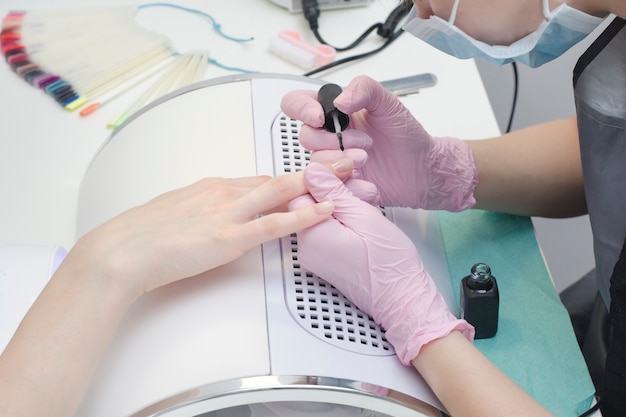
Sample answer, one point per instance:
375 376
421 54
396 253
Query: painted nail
324 207
343 166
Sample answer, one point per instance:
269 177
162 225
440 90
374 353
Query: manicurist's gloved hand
409 167
375 265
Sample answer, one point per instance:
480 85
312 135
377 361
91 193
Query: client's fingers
300 202
282 189
277 225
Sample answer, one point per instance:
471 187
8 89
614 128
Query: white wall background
545 94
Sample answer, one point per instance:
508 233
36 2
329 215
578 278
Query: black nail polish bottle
480 300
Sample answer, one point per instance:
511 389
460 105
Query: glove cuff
413 345
452 175
417 316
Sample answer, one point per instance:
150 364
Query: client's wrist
97 260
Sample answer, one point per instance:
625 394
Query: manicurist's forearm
534 171
454 368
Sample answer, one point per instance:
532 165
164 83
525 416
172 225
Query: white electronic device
295 6
259 336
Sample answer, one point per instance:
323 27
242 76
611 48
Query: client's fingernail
343 166
324 207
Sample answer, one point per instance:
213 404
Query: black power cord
355 57
387 30
515 92
311 11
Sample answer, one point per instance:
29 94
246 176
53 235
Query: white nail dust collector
259 336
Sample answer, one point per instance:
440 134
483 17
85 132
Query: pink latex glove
375 265
409 167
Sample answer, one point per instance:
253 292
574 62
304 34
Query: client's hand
190 230
373 264
409 166
179 234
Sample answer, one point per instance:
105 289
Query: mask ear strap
455 6
546 10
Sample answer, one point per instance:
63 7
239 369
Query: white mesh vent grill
315 304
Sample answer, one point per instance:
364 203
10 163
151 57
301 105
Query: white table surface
45 150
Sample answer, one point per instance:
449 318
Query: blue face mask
561 29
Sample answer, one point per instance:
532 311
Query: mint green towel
535 344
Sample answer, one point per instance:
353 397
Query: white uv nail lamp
259 336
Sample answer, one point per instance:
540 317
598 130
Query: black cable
355 57
311 11
353 44
515 90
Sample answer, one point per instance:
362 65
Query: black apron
600 94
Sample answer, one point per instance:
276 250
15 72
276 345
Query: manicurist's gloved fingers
332 238
316 139
303 105
323 185
359 156
363 190
300 202
365 93
362 93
